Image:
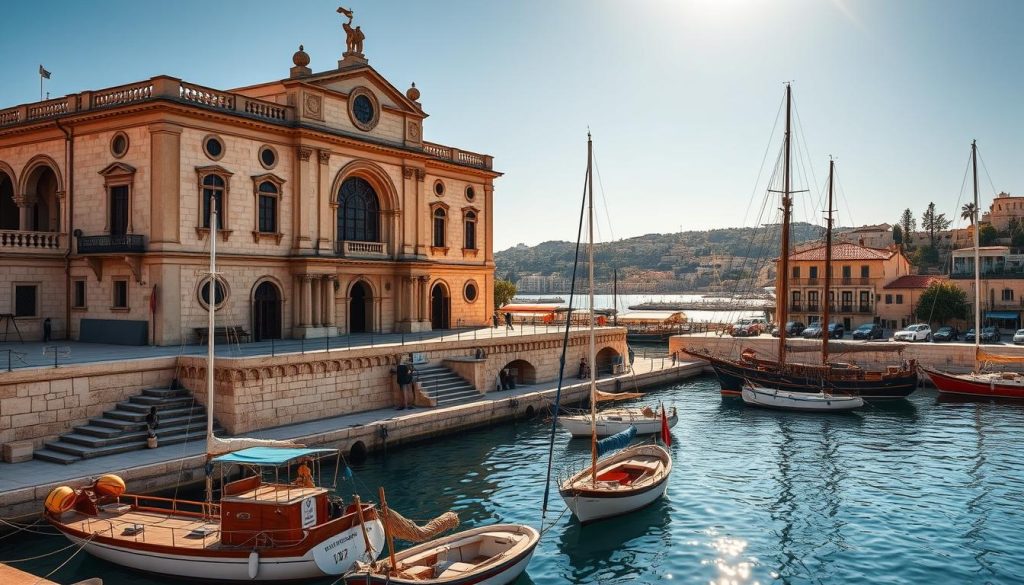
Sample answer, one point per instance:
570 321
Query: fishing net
402 528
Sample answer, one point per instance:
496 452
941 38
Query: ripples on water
910 492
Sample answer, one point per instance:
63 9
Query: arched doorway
266 318
10 217
440 307
521 371
46 212
360 308
607 359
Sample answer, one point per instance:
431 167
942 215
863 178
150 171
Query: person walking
508 321
494 319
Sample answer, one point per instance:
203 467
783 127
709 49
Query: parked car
836 331
813 331
747 327
990 334
1018 337
916 332
868 331
793 328
946 333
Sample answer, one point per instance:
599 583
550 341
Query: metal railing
122 244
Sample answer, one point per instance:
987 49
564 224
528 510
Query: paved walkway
32 354
36 472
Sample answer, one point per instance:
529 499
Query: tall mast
211 304
828 266
782 290
977 258
590 264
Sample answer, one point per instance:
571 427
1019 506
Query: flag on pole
666 437
43 72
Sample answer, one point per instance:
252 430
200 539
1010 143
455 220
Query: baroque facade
336 216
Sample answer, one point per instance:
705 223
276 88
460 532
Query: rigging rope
402 528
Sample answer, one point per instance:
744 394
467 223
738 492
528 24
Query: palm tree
967 212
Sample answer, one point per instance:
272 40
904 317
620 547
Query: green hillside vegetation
679 253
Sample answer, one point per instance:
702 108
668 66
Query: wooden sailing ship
892 381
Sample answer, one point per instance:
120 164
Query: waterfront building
858 276
1002 283
872 236
1004 210
336 214
897 306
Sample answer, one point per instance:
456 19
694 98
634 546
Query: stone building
336 214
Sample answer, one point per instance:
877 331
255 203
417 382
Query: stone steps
445 386
123 428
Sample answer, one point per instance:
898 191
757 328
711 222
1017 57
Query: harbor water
916 491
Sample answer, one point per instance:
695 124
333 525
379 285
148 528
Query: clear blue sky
681 94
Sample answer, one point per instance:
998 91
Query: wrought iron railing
121 244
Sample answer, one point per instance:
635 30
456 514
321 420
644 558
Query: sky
681 95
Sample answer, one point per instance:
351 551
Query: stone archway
266 311
606 359
522 371
440 307
10 217
360 308
41 188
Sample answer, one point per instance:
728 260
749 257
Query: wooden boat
615 420
258 530
980 383
799 401
637 475
890 382
491 555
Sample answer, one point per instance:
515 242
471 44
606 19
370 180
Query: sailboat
635 476
259 530
646 420
979 382
894 381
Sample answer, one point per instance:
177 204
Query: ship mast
977 259
593 357
782 288
828 267
211 304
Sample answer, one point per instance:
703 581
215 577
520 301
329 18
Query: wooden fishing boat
282 530
491 555
799 401
615 420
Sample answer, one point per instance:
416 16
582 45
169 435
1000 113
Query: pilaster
165 185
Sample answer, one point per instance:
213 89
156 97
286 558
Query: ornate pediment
345 81
117 169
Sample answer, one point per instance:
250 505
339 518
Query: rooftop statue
354 36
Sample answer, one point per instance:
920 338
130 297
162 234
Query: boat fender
254 564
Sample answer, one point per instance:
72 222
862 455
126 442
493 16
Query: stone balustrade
18 241
455 155
360 249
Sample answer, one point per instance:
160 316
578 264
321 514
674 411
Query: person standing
152 422
404 374
494 319
508 321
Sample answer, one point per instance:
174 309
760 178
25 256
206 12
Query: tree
987 235
967 212
504 290
925 256
897 234
908 225
933 222
942 301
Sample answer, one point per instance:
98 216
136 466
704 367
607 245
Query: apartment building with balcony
336 215
858 275
1002 283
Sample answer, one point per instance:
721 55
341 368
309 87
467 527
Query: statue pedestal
352 60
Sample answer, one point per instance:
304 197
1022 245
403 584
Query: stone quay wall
39 404
256 393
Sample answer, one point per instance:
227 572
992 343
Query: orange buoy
108 485
60 500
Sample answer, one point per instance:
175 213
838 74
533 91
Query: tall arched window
213 190
10 217
469 230
358 211
267 201
439 227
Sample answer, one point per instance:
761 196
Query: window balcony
795 307
355 249
813 307
110 244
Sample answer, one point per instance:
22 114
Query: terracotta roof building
898 303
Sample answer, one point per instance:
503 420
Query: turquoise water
913 492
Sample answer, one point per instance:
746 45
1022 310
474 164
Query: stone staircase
445 386
124 428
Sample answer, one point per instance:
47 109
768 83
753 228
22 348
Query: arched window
469 230
358 211
439 227
213 190
10 217
268 207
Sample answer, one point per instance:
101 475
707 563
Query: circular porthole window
213 147
119 145
470 292
220 294
470 193
439 188
363 109
268 157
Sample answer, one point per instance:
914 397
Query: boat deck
275 493
628 474
157 528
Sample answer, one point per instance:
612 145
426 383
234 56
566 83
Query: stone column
328 299
304 197
424 297
325 219
297 302
26 205
307 301
315 301
410 309
165 184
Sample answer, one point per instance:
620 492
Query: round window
363 109
470 193
119 145
439 188
220 294
213 147
470 291
268 157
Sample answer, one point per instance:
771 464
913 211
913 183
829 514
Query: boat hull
579 425
986 386
589 505
800 401
732 376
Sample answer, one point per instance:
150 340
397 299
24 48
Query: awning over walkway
1002 315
